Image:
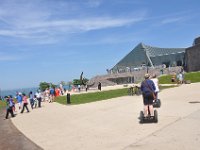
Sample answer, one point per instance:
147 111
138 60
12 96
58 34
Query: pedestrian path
114 124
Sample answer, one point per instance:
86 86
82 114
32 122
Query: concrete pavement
114 124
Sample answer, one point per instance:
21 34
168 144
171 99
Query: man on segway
148 88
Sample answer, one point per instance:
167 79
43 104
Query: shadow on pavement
11 138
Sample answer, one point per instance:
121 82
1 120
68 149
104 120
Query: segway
156 103
148 118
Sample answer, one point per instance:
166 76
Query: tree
80 82
76 82
52 85
44 85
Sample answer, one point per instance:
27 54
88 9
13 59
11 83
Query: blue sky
55 40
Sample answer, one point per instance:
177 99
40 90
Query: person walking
61 89
31 96
35 101
79 88
47 95
13 103
180 78
9 107
52 95
39 97
19 99
25 103
99 86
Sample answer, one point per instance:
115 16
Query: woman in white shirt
156 83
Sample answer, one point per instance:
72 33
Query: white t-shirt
38 94
180 77
155 81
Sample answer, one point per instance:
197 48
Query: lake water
14 91
23 90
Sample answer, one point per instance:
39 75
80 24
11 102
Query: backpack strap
147 86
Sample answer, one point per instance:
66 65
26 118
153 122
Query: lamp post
146 61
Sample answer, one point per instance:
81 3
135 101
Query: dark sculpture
82 80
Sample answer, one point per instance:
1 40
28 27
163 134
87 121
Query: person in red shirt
57 92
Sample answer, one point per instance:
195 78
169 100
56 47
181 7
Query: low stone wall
137 76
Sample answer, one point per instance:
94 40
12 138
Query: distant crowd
21 100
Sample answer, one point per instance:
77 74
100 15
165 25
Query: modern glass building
143 55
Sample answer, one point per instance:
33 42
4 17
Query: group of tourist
34 99
22 101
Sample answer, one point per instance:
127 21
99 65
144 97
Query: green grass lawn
2 104
165 79
192 76
98 96
92 97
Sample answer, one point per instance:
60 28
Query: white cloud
94 3
37 28
33 20
172 20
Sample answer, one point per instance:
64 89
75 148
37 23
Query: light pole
146 61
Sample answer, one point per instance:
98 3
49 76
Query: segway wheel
155 116
158 102
141 117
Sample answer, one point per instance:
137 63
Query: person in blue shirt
31 96
19 100
148 89
52 95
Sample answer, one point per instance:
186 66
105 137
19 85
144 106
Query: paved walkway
114 125
11 138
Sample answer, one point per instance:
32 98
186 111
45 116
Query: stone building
192 56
